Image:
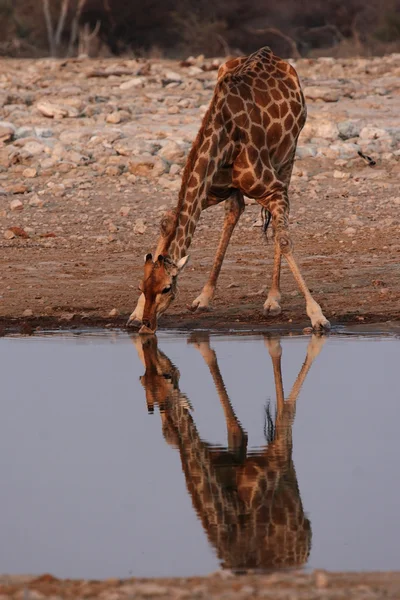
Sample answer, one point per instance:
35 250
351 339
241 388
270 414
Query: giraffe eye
166 289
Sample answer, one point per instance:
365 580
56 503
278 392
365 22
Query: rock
44 132
29 173
124 211
112 171
133 147
18 188
29 313
114 312
147 165
7 131
172 152
36 201
114 117
170 184
349 129
56 111
16 205
133 83
326 130
193 71
373 133
171 76
23 132
325 93
139 226
340 174
34 148
9 234
149 590
305 151
17 232
174 169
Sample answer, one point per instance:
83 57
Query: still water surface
96 482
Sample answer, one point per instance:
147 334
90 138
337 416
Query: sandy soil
282 586
88 214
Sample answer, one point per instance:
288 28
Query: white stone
56 111
133 83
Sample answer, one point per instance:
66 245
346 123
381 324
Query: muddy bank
286 586
91 155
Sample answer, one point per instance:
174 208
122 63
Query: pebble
133 83
114 117
29 313
139 226
35 200
113 313
56 111
7 131
124 211
29 173
16 205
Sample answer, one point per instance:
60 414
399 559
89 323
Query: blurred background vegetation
179 28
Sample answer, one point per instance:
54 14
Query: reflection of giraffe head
159 287
161 377
249 503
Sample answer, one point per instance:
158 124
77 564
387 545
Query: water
95 486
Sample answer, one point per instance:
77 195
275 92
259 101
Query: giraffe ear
182 262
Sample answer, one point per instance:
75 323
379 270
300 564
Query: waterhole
175 456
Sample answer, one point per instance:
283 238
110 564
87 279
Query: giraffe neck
205 157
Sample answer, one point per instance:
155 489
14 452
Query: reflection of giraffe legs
286 409
237 438
234 206
274 347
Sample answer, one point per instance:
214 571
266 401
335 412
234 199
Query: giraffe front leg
234 207
272 305
135 319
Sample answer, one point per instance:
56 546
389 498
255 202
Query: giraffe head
159 287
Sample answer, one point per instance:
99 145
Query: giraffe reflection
249 503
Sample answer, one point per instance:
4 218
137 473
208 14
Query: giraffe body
245 146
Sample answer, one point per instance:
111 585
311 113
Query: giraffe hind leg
234 207
278 204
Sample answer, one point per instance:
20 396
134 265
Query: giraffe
249 503
245 146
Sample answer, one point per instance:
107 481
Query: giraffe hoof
199 308
271 308
135 323
321 325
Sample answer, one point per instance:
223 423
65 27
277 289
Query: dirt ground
282 586
72 249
